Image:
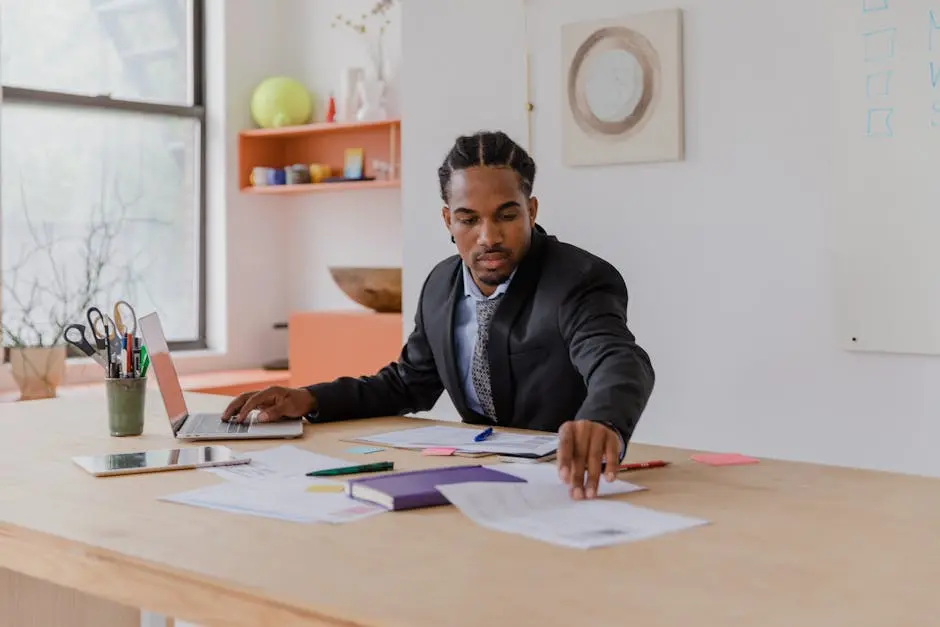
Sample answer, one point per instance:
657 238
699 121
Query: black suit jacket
559 349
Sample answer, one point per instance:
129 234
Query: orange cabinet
233 382
324 345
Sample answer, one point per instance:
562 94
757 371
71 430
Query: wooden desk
791 544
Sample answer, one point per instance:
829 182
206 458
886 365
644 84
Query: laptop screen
162 366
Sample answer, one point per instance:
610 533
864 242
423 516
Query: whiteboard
885 204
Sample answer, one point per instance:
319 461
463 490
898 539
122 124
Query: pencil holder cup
126 400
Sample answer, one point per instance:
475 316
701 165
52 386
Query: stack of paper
546 512
462 439
285 499
274 484
280 461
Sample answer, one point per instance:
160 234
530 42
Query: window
102 159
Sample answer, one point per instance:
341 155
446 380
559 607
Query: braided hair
487 148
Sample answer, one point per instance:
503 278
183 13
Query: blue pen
483 434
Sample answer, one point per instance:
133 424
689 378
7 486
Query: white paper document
284 499
547 474
544 512
462 439
279 462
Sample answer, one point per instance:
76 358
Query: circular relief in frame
612 81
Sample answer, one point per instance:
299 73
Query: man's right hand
273 404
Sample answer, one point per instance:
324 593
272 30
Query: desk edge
150 586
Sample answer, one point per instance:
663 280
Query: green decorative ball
280 101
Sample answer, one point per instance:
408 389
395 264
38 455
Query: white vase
37 371
372 99
348 101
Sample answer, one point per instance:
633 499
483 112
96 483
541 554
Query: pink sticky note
724 459
438 451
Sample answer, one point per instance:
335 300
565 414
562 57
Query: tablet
108 464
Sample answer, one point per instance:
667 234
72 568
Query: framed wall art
623 94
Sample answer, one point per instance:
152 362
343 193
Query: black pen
107 341
136 357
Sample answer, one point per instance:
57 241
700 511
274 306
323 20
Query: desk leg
29 602
149 619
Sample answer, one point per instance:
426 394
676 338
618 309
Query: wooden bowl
378 289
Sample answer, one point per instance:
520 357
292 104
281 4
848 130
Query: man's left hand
582 447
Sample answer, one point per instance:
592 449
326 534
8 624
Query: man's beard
494 277
494 281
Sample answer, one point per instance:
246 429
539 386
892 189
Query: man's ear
533 210
445 215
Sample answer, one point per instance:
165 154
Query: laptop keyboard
235 427
211 423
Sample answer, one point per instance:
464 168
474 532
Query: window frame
195 111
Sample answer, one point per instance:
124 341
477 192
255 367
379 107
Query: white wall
255 227
475 78
725 254
360 228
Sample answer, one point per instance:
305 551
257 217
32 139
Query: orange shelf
319 127
322 187
323 143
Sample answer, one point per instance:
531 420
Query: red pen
128 356
656 463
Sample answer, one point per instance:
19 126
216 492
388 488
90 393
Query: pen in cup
114 367
144 361
128 356
107 339
136 359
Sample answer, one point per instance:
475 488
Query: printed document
461 439
545 512
280 461
547 474
284 499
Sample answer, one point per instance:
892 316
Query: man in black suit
521 329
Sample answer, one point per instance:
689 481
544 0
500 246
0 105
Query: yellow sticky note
325 488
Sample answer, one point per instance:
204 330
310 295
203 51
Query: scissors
126 321
75 335
104 331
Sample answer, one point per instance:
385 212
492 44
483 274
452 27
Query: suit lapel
519 293
450 374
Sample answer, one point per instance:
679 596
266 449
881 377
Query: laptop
202 426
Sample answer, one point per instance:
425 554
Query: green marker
144 361
352 470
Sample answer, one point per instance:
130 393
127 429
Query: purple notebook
413 489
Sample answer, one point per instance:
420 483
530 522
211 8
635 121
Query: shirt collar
471 289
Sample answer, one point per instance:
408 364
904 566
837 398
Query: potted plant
37 368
